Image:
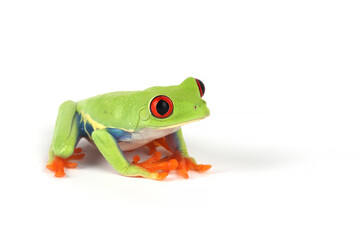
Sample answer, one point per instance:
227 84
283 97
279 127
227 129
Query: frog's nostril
195 107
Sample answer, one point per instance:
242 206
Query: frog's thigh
66 133
109 148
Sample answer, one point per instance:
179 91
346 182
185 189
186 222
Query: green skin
128 111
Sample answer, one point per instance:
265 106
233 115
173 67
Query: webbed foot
185 164
175 161
156 166
58 164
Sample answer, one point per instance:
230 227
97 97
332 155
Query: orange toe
162 176
59 173
172 164
77 150
183 173
51 167
70 165
76 157
202 167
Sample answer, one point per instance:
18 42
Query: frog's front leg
179 159
176 143
65 138
109 148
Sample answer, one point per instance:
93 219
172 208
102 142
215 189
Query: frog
123 121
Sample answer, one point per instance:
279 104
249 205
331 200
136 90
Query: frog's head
173 106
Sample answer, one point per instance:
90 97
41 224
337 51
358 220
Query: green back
130 110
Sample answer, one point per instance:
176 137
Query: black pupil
162 107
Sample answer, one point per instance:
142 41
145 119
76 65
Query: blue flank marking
118 134
89 128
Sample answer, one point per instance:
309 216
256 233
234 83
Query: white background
282 85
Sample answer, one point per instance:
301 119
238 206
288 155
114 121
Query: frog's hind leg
66 136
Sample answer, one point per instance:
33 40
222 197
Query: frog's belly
144 136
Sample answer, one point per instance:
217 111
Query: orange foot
58 164
160 142
155 164
185 164
175 161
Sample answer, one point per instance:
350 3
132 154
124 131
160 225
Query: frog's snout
201 108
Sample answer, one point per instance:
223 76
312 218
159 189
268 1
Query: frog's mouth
182 123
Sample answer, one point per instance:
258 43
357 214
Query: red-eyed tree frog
125 121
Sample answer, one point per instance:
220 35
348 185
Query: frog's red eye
161 106
201 87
